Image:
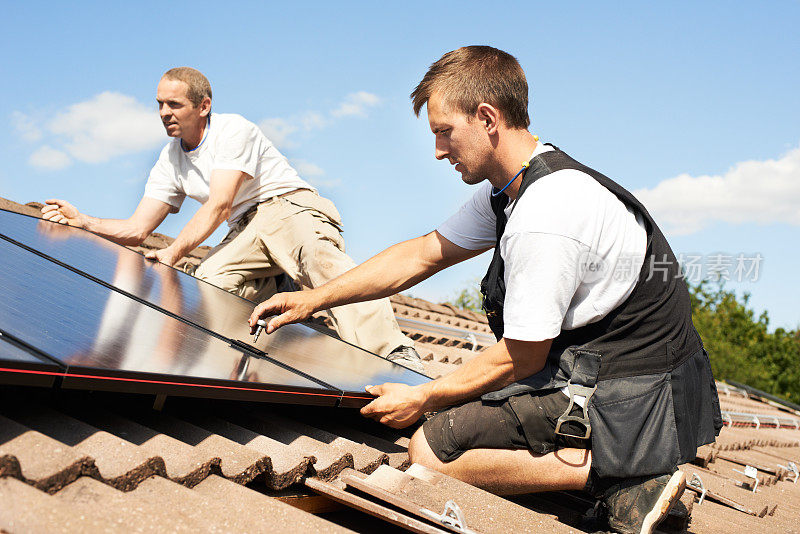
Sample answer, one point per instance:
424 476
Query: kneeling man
598 380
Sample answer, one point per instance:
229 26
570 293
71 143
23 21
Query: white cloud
751 191
48 158
325 184
108 125
26 127
279 130
306 168
312 173
356 104
313 121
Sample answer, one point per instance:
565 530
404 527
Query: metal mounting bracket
728 417
697 483
451 517
751 473
473 340
792 468
757 422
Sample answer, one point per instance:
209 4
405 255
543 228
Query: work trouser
298 233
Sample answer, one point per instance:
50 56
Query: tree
740 346
469 298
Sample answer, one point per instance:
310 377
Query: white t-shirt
572 251
231 143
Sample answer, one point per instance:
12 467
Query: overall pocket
697 413
633 427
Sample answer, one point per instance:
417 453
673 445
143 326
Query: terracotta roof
82 461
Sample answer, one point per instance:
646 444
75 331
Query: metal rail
758 420
729 390
476 338
753 392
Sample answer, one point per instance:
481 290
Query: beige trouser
298 234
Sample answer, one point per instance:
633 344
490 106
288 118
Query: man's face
460 139
180 117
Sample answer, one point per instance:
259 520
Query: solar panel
19 365
203 306
106 340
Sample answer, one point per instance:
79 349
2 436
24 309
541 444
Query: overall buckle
583 391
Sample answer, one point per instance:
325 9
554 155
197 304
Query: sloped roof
80 461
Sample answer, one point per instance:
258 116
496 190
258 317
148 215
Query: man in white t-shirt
278 223
598 380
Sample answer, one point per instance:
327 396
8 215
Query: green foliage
740 346
469 298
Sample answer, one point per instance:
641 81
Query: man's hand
164 255
63 212
289 307
397 405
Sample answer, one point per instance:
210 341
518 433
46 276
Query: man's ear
205 107
489 116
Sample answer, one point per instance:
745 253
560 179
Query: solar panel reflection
107 340
301 347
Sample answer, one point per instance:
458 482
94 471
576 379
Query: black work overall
651 394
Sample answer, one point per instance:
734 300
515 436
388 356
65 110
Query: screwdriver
261 324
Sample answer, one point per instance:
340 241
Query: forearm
121 231
399 405
200 226
131 231
395 269
491 370
488 371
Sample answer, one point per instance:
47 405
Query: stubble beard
471 179
474 178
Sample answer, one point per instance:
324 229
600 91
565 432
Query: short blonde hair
470 75
199 86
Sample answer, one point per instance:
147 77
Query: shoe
637 505
407 357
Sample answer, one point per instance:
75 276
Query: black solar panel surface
95 331
300 347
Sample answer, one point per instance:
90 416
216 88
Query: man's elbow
135 234
221 211
134 239
526 357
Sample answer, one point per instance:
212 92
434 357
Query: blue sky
693 106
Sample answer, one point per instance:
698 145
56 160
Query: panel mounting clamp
246 348
249 350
